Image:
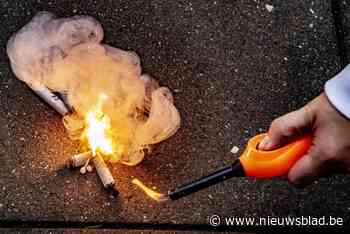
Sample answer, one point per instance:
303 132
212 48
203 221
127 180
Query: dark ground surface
98 231
342 19
233 67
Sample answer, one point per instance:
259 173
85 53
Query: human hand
330 152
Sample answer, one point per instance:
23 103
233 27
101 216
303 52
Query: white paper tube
64 98
53 100
103 172
79 160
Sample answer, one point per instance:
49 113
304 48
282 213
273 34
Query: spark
160 197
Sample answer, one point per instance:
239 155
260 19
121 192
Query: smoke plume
66 55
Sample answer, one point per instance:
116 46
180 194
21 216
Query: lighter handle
267 164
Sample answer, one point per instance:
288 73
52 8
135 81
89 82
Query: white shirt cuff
338 91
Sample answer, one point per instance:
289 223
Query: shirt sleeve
338 91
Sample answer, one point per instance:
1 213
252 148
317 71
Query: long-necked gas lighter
252 163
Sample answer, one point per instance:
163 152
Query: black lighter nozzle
234 170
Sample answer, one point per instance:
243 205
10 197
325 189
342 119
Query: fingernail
265 143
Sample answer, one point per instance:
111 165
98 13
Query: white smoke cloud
66 55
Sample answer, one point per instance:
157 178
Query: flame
151 193
98 127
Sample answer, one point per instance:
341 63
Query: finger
286 127
306 170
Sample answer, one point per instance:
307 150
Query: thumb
286 127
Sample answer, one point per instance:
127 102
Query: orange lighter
252 163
